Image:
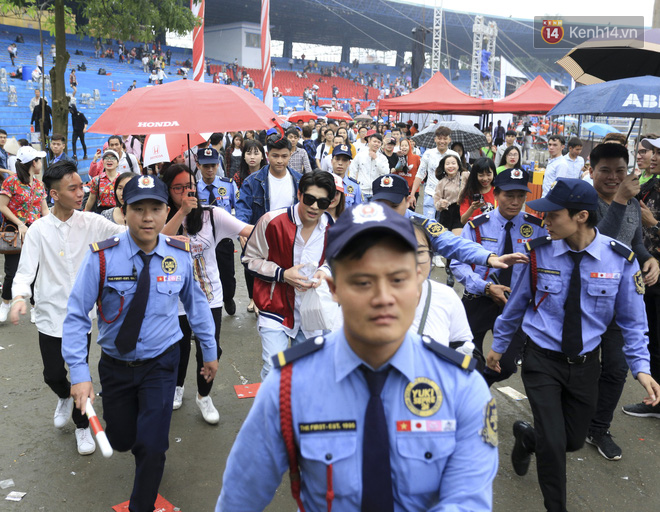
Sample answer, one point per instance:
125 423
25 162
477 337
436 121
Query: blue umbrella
600 129
629 97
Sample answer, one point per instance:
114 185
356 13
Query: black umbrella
471 138
599 60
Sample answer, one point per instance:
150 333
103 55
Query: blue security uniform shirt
440 461
445 243
525 227
352 191
160 327
224 190
609 284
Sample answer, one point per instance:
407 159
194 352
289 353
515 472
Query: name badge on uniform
121 278
327 426
164 279
523 240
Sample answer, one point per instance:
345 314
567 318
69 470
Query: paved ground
43 461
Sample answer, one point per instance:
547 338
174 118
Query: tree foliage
129 20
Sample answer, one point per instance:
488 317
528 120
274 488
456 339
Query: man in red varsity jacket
286 254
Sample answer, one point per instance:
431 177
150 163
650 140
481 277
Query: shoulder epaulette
449 354
173 242
226 180
298 351
106 244
432 227
624 251
533 219
537 242
482 219
353 180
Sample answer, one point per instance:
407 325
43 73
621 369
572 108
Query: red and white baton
101 438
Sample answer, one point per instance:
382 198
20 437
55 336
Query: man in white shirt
326 163
35 99
557 166
509 140
361 142
369 164
427 167
127 162
53 250
573 159
285 250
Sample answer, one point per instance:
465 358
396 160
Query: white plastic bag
317 309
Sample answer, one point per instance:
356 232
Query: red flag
197 7
265 53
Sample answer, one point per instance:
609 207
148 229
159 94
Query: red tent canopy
437 95
535 97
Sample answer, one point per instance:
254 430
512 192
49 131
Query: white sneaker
4 311
63 411
85 441
33 316
178 397
209 411
437 261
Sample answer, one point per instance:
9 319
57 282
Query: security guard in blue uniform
393 422
393 190
341 159
137 279
219 191
504 230
566 297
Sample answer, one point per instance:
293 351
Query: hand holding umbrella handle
101 438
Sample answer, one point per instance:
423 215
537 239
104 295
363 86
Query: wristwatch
655 228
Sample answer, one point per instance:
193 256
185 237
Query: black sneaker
230 307
642 410
606 445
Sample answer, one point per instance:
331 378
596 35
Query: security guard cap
512 179
567 193
145 187
363 218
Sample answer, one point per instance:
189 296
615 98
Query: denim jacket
254 198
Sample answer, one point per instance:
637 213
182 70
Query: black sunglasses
323 202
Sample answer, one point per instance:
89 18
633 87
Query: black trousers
203 387
224 253
652 302
613 372
249 282
11 265
74 138
563 400
55 374
137 409
481 314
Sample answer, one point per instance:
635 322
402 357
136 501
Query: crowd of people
338 249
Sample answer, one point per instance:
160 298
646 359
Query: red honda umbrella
185 106
340 115
165 148
301 115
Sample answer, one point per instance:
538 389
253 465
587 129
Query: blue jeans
429 207
274 341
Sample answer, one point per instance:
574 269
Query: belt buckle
577 360
135 364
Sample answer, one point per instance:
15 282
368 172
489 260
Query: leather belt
138 362
560 356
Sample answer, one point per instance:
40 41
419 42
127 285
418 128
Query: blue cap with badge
342 149
568 193
145 187
512 179
366 217
390 187
207 156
